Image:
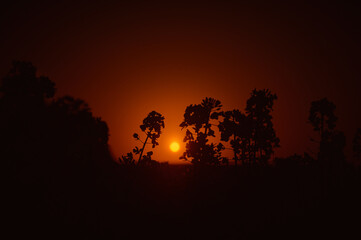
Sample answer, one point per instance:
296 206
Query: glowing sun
174 147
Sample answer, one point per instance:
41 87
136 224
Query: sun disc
174 147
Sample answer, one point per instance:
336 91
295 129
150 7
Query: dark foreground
180 202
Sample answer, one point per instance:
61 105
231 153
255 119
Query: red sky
128 59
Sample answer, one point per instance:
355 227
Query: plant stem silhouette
152 126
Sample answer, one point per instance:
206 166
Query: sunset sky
127 59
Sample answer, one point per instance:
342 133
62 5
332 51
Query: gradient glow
127 59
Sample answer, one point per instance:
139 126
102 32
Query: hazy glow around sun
174 147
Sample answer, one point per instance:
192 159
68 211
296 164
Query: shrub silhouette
198 117
294 161
127 160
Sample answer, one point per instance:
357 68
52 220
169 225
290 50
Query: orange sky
126 60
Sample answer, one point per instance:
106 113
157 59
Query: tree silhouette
86 136
36 127
21 85
322 116
152 127
24 98
263 136
356 144
52 150
236 126
332 142
198 118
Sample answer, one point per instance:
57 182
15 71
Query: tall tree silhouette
24 98
332 142
263 136
236 126
198 118
152 127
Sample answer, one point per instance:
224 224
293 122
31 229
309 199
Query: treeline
250 134
35 126
60 181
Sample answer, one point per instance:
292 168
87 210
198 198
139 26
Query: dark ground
181 202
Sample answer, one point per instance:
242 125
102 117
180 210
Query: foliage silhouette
198 118
152 127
